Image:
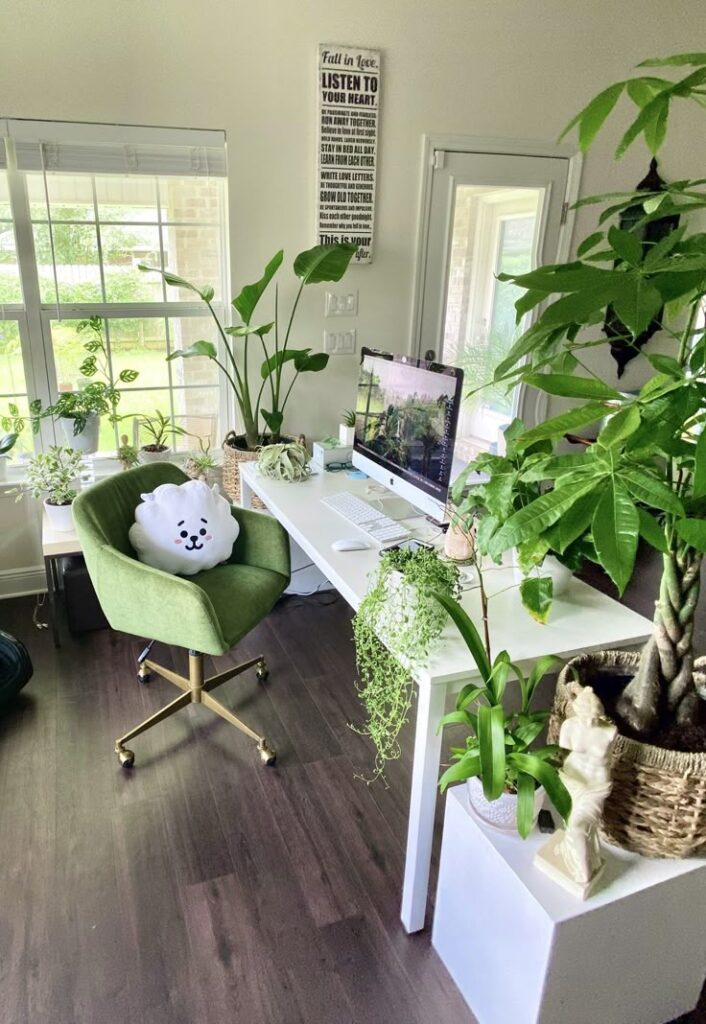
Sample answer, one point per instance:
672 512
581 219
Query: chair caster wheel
267 754
125 756
144 677
263 673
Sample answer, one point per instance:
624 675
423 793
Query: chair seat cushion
241 596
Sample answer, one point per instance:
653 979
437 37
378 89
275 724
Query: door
487 213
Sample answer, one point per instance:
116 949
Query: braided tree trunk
664 683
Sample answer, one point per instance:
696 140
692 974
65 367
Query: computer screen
406 415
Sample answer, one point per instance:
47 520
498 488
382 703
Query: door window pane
12 375
183 332
494 231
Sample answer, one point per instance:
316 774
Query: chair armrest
262 542
138 599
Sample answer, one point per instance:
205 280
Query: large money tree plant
645 474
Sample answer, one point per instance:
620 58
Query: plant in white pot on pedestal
53 476
508 773
346 428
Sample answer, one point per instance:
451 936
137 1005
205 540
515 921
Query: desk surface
583 619
58 542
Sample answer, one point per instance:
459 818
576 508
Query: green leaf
537 516
273 421
199 348
542 665
244 330
626 245
566 386
491 742
207 293
572 524
468 631
456 718
591 118
525 804
566 422
590 243
651 531
466 768
173 279
699 480
637 303
652 492
667 365
306 363
324 262
693 531
642 90
128 376
278 359
615 531
546 775
537 593
468 695
678 60
251 294
619 427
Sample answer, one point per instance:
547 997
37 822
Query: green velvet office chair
207 613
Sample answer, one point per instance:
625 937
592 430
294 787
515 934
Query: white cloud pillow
183 528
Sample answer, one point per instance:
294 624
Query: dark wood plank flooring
201 887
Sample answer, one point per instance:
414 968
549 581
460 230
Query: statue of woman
589 736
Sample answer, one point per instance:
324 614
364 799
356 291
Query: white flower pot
87 440
346 435
60 517
500 813
163 456
401 605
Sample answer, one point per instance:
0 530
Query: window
81 206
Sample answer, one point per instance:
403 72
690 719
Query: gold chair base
196 690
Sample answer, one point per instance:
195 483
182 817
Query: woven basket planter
232 457
657 806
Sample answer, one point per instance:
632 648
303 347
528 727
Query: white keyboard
379 527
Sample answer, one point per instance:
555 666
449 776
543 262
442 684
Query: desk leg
422 805
245 493
50 570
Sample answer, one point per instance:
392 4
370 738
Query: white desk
582 620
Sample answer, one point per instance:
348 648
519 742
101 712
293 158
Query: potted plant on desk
261 403
645 475
53 476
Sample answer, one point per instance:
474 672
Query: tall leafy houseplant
314 266
645 475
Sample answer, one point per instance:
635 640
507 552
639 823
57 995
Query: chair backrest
104 512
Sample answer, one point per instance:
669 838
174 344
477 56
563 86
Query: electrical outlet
338 343
341 304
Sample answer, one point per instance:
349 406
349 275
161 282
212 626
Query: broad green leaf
251 294
591 118
637 302
566 386
699 479
620 426
652 492
207 293
545 664
273 421
491 742
457 717
172 279
656 127
199 348
532 553
661 249
278 359
693 531
642 90
642 123
128 376
305 363
466 768
566 422
537 593
469 695
590 243
324 262
546 775
667 365
525 804
615 529
678 60
626 245
572 524
244 330
536 517
469 633
651 531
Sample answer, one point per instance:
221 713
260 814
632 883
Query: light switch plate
338 343
341 303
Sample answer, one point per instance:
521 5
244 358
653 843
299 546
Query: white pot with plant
399 609
346 429
53 476
158 428
507 771
202 465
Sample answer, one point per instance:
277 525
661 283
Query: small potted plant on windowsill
202 465
127 454
53 476
158 428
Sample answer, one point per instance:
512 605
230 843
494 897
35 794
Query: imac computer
405 426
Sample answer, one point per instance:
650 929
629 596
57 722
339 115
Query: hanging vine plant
399 609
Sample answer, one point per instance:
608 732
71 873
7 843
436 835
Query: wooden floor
201 887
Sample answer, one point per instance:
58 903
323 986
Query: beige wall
513 69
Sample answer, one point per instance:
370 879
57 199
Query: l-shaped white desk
581 620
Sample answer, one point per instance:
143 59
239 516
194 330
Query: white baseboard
18 582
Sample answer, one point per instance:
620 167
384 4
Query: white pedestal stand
522 949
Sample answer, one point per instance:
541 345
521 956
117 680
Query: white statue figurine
573 857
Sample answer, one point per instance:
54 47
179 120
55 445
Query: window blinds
114 149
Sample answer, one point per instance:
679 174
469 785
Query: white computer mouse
349 544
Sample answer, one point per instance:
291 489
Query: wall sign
349 99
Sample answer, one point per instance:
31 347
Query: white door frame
535 410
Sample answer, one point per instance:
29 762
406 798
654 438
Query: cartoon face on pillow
183 528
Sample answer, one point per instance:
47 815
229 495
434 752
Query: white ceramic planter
501 813
346 435
403 600
87 440
146 456
60 517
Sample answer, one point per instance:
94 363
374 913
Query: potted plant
261 424
201 466
346 429
159 428
7 443
508 772
53 476
645 474
285 462
394 628
128 455
79 412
